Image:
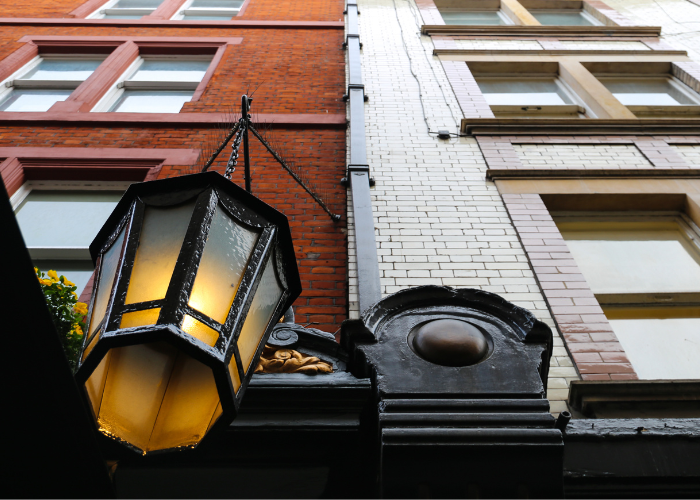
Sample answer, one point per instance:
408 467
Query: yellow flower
52 274
77 330
75 295
80 308
36 270
45 282
66 282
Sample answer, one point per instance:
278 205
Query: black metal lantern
192 274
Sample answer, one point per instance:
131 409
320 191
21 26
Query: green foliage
67 313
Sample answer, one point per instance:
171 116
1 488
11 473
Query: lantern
192 273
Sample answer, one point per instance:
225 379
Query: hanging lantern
192 274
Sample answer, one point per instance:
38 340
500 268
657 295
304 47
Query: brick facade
295 71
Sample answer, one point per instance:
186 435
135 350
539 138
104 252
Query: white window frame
15 81
586 15
685 224
506 20
659 110
576 109
186 10
74 253
115 92
107 7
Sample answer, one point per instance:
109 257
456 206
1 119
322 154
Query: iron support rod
221 147
279 159
245 107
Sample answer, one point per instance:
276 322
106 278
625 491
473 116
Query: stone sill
538 31
592 126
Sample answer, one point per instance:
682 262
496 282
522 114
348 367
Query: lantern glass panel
224 260
95 385
199 330
188 407
267 296
140 318
161 239
153 396
104 287
91 344
233 372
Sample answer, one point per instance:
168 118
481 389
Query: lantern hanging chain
335 217
221 146
233 159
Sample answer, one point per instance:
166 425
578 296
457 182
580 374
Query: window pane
77 271
121 16
216 4
33 100
625 260
226 17
472 18
646 92
171 71
561 18
49 69
661 348
145 101
67 219
136 4
523 92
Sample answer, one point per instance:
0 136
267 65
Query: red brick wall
310 10
297 71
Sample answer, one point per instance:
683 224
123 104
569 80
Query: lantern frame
273 247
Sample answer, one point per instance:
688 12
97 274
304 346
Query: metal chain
233 159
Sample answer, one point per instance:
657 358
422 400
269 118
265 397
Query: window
126 9
528 94
59 221
645 272
650 91
46 81
209 10
475 17
156 85
567 17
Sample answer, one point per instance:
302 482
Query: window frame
576 109
586 15
14 80
654 109
101 11
499 12
182 11
122 83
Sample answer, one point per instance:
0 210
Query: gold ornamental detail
276 360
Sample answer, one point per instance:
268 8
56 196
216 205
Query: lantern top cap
176 190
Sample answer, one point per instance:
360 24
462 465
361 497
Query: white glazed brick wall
680 20
581 156
583 45
498 45
690 153
437 220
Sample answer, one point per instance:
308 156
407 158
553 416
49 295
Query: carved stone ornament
276 360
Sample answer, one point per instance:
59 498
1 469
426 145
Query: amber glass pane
109 268
96 383
91 344
217 414
220 271
160 242
267 296
233 371
136 382
188 406
199 330
140 318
